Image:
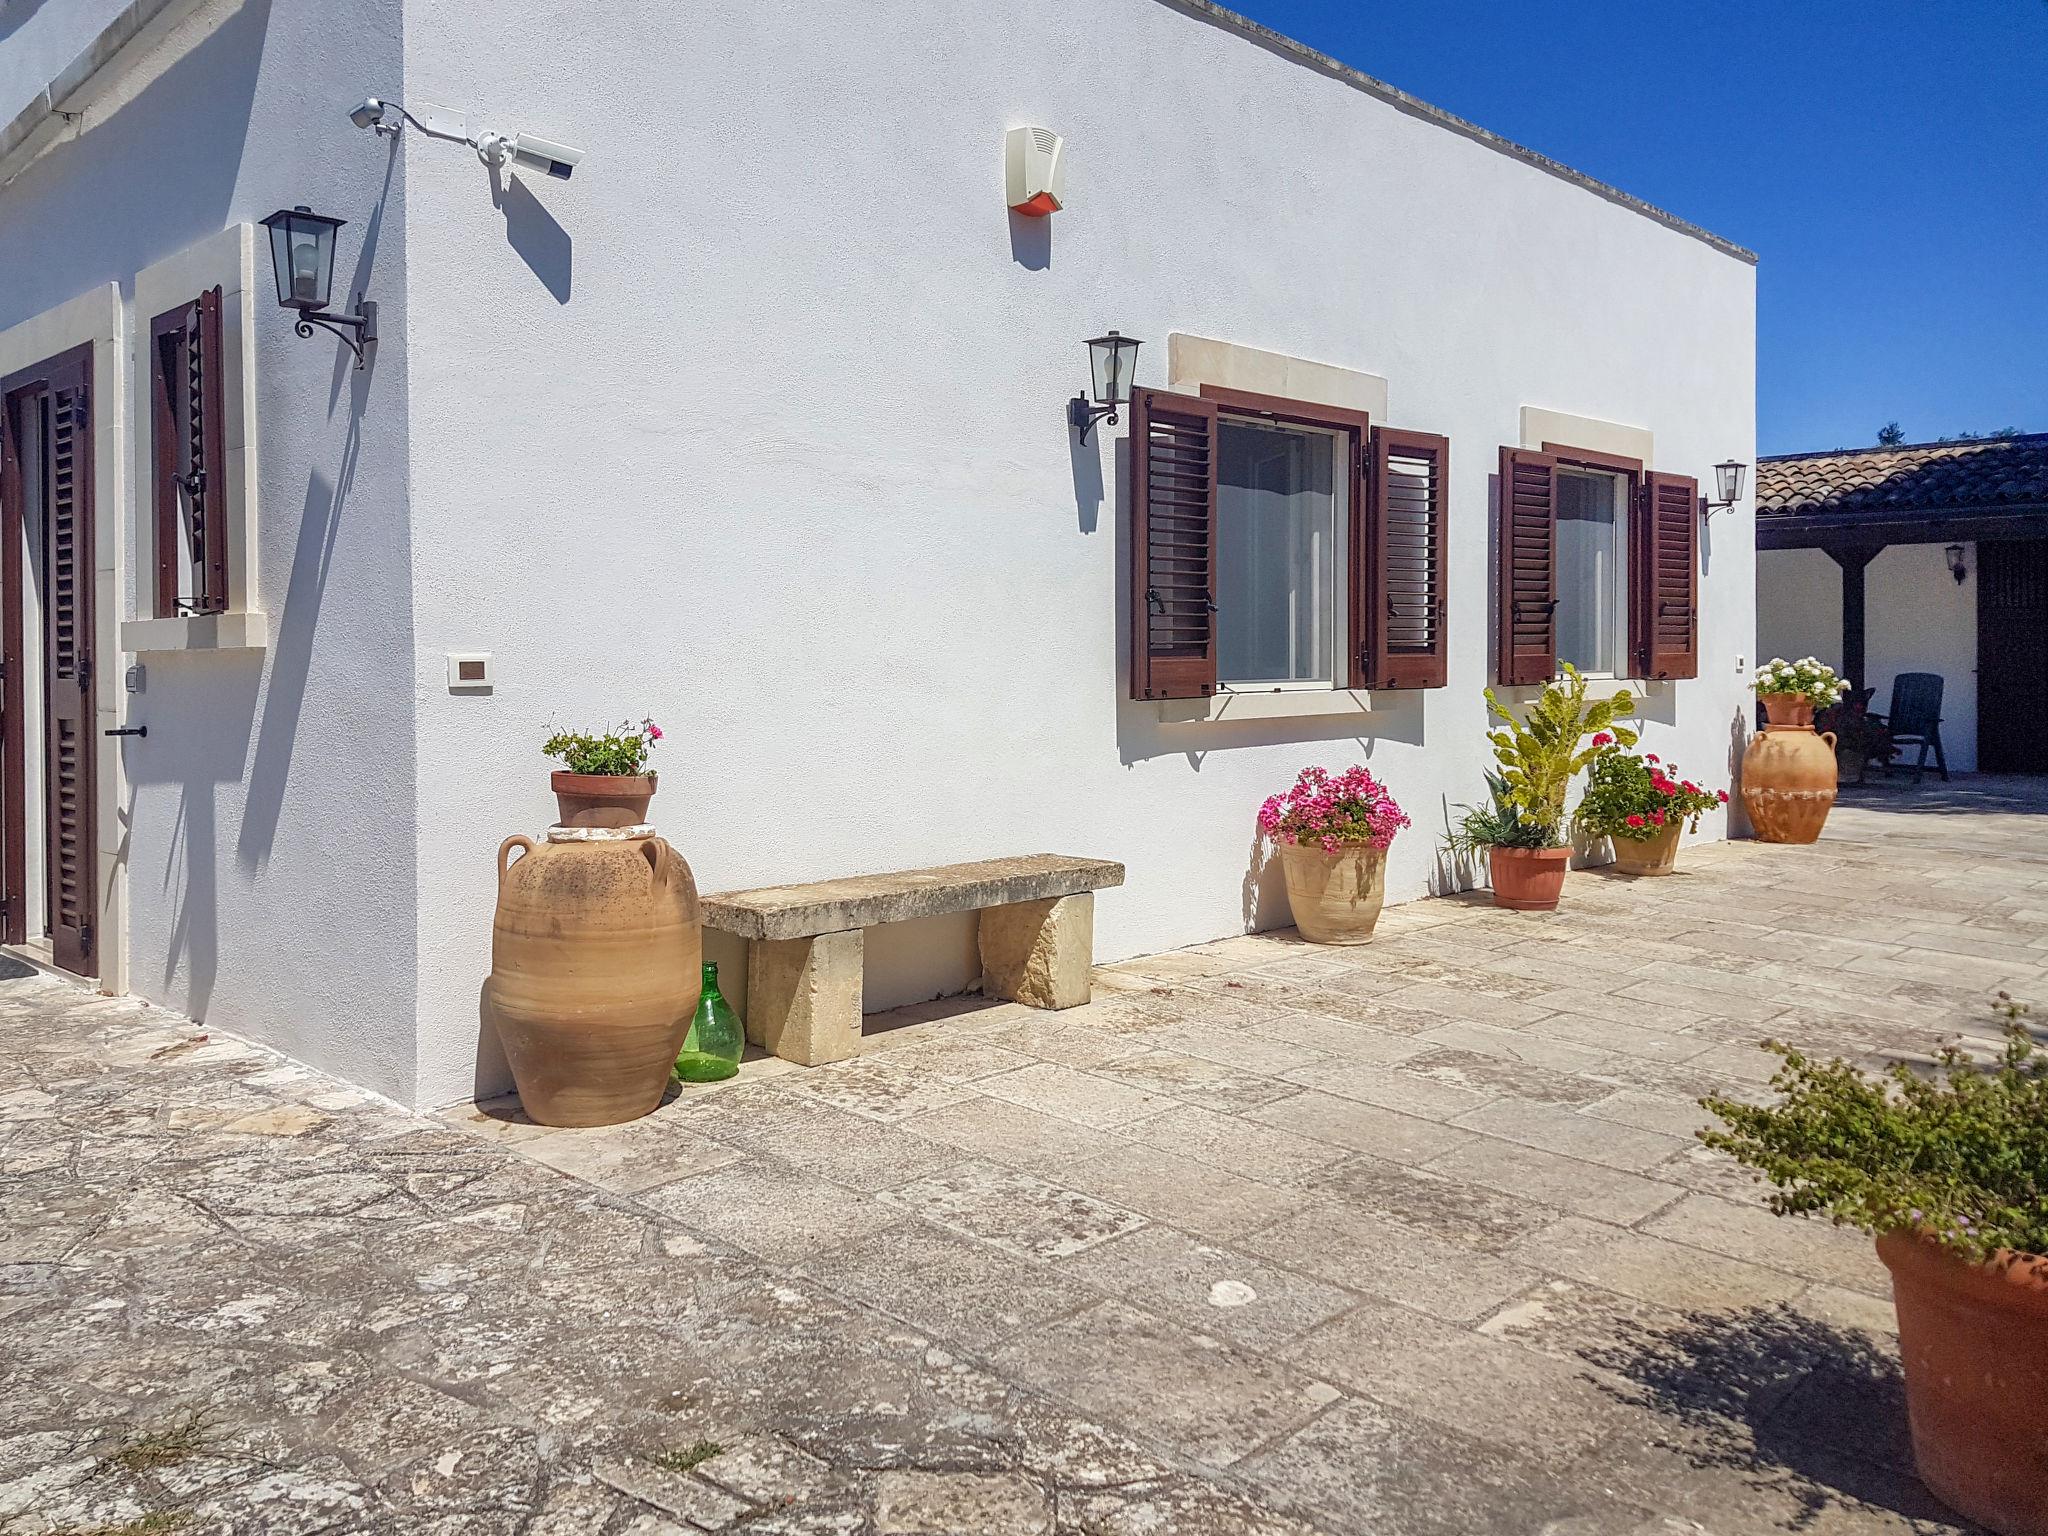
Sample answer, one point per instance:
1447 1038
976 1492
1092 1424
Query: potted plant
1949 1171
1642 805
603 780
1333 835
1788 772
1861 738
1496 827
1538 753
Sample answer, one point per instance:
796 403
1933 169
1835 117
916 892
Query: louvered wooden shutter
68 648
188 459
1173 546
1669 566
1526 620
1402 576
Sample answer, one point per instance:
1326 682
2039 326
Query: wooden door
2012 656
46 432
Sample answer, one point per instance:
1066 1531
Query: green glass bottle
711 1050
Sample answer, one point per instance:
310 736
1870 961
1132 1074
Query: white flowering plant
1805 678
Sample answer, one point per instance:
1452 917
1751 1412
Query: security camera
529 150
369 115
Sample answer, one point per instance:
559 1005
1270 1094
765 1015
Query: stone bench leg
1039 952
803 997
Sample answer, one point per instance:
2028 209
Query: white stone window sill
1270 704
198 632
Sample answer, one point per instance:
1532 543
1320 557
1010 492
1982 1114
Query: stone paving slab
1268 1239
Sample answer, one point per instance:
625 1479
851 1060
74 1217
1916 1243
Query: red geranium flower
1603 740
1635 821
1651 757
1657 817
1723 794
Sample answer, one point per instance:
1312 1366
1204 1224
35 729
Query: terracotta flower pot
1529 879
602 799
1788 772
1336 897
1974 1341
1652 856
596 956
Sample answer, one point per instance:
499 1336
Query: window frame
1350 581
1338 622
195 322
1636 545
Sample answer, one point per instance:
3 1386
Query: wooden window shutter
69 802
1173 546
1526 621
1402 570
1669 565
188 454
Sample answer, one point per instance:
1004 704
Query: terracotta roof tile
1991 472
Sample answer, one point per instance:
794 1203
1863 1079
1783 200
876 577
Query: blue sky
1888 161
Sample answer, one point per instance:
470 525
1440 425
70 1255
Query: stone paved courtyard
1408 1238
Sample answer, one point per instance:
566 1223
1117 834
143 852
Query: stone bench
804 952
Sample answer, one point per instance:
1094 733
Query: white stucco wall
1917 618
268 837
756 426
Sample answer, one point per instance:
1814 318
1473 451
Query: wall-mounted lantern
302 258
1956 568
1112 361
1728 483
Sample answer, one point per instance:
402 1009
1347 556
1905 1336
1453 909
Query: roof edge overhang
53 113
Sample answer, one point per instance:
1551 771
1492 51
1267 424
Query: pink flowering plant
620 752
1638 797
1333 812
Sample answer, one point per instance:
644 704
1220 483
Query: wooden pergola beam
1946 525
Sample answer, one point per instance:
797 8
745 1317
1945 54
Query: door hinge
85 937
84 673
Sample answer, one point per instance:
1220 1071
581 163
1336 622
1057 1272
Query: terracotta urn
1335 897
1788 772
1529 879
595 964
1974 1342
601 799
1652 856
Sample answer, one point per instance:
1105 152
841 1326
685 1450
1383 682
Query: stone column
803 997
1039 952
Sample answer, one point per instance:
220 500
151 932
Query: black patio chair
1915 718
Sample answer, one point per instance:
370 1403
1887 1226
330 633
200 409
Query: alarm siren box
1034 171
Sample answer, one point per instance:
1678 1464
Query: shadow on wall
1030 242
535 235
312 559
202 711
1738 744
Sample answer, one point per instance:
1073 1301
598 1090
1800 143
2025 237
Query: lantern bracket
357 331
1082 416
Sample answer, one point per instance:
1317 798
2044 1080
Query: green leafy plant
1497 824
623 751
1959 1155
1637 797
1540 751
